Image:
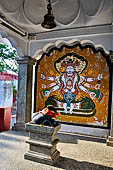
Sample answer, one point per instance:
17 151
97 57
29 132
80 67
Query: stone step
110 138
109 143
73 137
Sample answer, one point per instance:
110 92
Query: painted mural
76 81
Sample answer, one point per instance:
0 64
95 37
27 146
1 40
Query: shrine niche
74 79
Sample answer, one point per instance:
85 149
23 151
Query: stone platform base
42 144
42 158
110 141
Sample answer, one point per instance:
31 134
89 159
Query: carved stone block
42 141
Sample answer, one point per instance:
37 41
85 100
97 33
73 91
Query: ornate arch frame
59 45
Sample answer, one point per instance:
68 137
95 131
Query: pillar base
19 126
110 141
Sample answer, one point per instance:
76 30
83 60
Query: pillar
24 98
110 138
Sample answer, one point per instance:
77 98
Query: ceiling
28 14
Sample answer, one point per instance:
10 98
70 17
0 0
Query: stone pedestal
42 142
24 97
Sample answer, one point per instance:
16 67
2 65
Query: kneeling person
46 116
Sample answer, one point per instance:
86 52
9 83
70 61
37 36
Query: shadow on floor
7 146
71 164
10 138
12 135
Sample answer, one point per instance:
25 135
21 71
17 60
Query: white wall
6 93
102 35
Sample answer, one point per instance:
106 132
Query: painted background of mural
87 103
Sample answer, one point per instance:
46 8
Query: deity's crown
71 59
70 62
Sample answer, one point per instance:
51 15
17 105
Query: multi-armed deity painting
76 81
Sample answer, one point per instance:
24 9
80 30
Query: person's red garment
48 112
